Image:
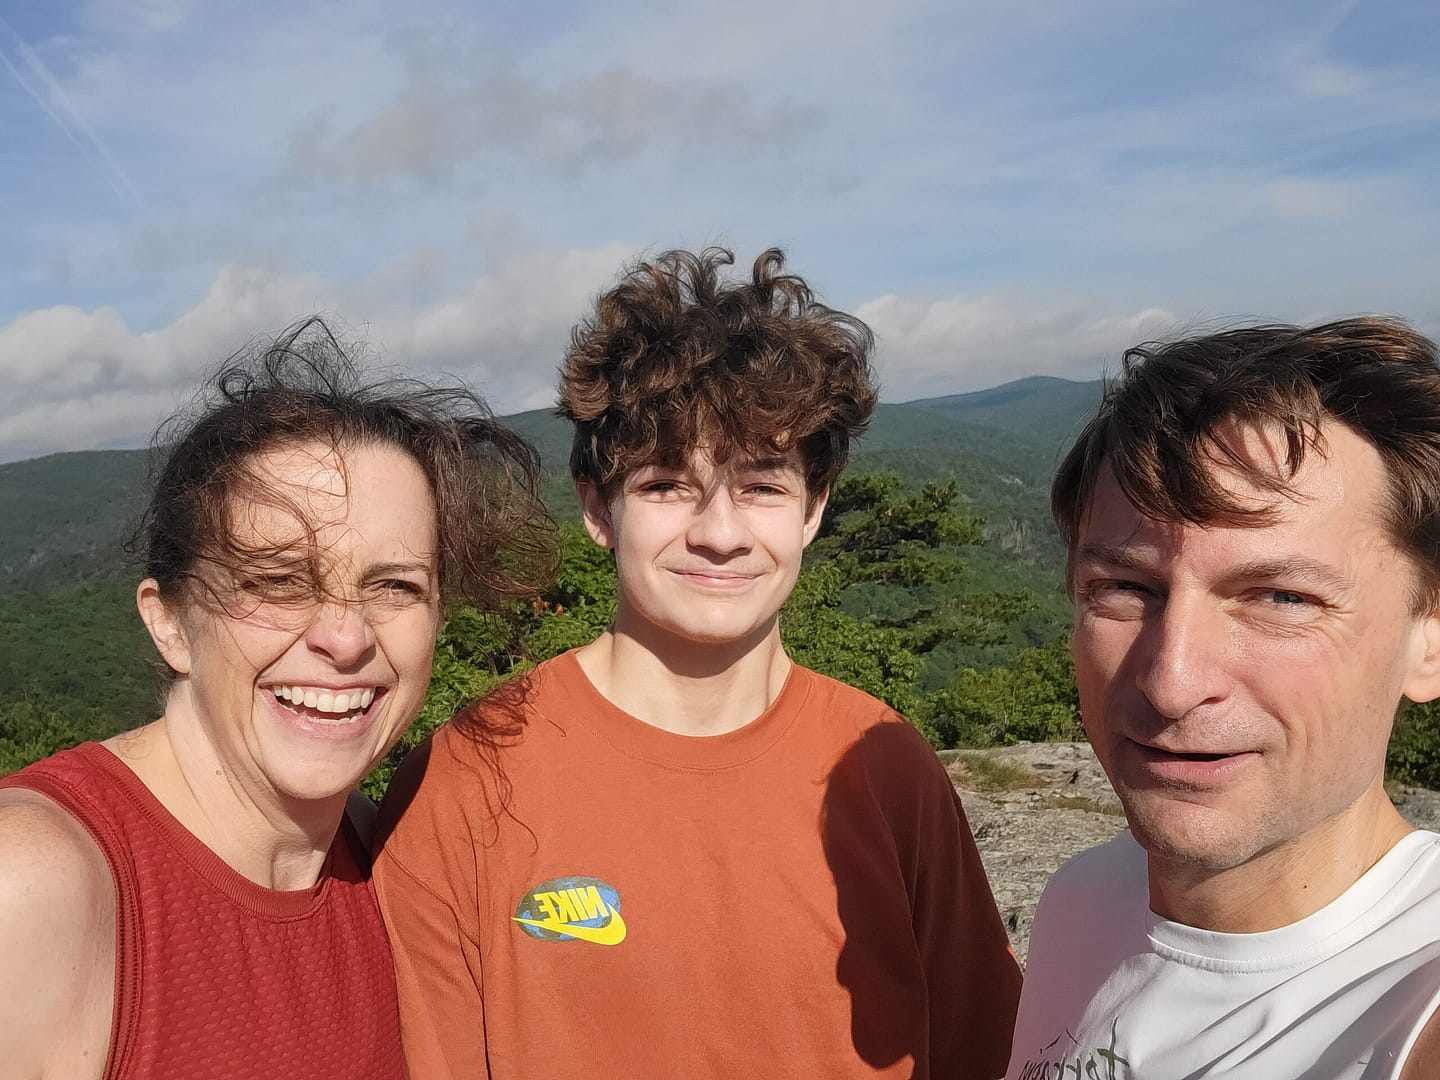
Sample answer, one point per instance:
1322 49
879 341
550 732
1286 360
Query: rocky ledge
1033 805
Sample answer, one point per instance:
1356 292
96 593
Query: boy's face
705 553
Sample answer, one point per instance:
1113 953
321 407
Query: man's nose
1181 655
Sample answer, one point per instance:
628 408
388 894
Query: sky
999 187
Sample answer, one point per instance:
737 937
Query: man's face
705 554
1239 684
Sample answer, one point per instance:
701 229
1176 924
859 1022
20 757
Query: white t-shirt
1114 992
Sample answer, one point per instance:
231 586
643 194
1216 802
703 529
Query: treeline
900 595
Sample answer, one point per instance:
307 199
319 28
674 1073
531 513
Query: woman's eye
399 589
265 585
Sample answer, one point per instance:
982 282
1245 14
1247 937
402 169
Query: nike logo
612 933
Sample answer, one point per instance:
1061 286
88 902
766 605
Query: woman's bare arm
57 943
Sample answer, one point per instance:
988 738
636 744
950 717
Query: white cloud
505 333
83 379
928 347
455 107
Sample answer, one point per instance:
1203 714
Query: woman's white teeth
326 701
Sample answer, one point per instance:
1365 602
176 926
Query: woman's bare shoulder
57 932
53 875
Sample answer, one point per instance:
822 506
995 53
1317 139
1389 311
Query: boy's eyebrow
774 463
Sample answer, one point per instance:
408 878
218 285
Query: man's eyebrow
1291 567
1126 558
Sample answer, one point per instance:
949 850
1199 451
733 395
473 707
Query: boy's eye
660 487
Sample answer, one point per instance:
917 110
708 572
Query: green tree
819 635
1414 756
1032 700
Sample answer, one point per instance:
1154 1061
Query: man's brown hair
1160 424
675 357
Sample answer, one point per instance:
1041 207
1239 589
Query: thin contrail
54 104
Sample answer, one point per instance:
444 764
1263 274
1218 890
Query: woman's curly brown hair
675 357
495 538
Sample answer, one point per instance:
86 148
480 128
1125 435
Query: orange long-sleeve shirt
573 892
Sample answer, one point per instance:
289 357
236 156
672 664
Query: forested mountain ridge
63 517
936 585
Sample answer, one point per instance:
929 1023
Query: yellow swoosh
612 933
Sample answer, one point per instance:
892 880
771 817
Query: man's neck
685 687
1285 884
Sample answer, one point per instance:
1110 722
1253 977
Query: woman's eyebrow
382 569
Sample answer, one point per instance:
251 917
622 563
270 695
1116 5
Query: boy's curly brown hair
675 357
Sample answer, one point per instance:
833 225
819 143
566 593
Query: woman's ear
164 626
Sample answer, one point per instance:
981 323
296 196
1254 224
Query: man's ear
1423 680
164 626
595 509
815 513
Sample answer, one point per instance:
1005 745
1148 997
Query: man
672 852
1253 520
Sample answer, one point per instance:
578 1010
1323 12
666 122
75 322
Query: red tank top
216 976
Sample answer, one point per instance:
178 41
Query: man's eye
1285 598
1116 597
1124 588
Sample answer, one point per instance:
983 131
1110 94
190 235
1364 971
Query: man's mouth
1193 755
1190 765
326 705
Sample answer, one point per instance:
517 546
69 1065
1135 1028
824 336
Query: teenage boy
672 852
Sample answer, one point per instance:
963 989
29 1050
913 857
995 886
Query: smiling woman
192 897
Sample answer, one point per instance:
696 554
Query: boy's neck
683 686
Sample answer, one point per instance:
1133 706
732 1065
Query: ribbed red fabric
216 976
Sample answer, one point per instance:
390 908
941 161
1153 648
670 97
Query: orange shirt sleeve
971 975
972 980
431 915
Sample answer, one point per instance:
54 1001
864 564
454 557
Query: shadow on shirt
925 960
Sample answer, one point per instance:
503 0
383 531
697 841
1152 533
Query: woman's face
300 684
